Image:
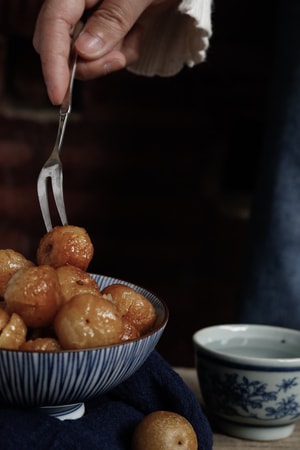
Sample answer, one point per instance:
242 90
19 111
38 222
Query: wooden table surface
223 442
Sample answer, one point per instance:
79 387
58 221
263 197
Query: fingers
117 59
108 42
108 26
52 41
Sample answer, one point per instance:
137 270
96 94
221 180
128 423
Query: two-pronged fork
52 168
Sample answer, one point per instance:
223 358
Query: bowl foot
254 433
65 412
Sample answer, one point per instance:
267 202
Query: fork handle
63 117
66 105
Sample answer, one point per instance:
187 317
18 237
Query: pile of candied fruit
55 304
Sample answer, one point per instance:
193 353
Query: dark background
160 171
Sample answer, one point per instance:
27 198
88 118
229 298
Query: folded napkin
110 419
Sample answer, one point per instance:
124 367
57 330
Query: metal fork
52 169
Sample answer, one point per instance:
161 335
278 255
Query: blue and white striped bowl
39 379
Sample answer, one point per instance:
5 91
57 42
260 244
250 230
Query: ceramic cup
249 377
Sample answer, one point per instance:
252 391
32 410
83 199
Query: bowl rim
156 328
205 335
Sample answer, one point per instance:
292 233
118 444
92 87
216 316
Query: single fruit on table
164 430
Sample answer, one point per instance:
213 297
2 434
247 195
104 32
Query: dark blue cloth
109 420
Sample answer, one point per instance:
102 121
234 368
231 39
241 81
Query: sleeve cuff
174 39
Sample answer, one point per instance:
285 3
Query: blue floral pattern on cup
234 395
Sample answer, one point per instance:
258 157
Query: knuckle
117 16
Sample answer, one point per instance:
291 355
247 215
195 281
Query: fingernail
113 66
89 43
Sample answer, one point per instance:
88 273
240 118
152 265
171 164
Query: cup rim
207 335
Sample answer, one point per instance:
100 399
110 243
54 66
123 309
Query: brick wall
152 167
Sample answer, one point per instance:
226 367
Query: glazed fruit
60 303
74 280
66 244
164 430
10 262
129 331
14 333
4 318
34 293
131 305
45 344
88 321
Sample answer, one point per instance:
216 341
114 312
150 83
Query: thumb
108 25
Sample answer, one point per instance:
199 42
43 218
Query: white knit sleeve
174 39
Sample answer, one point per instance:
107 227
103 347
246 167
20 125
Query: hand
109 41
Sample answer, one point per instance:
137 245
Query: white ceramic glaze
250 378
61 382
